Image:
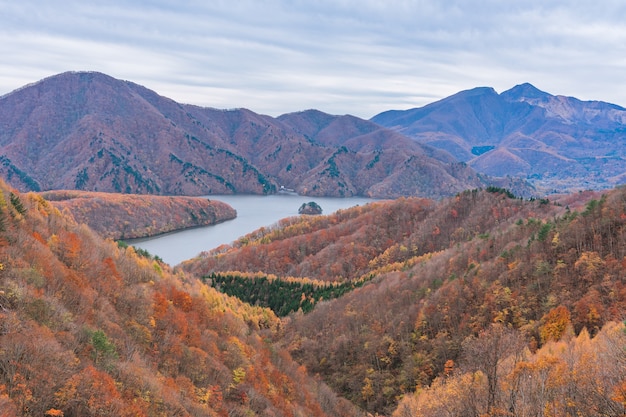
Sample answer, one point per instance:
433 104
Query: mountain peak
114 135
78 76
525 92
473 92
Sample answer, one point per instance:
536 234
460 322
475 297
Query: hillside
479 303
90 329
130 216
88 131
559 143
401 294
438 275
575 375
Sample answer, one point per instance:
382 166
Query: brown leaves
168 344
127 216
91 392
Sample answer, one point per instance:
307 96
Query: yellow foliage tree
555 322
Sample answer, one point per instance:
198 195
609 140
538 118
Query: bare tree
487 353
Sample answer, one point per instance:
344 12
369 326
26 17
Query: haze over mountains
559 143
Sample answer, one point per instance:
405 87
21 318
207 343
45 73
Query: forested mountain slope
557 142
437 275
498 375
91 329
89 131
129 216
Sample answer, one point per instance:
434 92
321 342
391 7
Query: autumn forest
480 304
443 280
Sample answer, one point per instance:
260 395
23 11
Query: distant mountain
379 161
559 143
89 131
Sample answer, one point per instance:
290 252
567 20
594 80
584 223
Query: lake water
253 212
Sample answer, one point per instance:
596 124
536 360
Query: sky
358 57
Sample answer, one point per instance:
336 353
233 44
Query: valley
432 278
482 271
253 212
416 284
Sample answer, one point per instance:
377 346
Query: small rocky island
310 208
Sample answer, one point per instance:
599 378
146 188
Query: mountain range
476 304
89 131
558 143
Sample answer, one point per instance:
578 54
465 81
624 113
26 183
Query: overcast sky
356 57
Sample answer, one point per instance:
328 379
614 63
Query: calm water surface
253 212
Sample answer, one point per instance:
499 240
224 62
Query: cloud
342 56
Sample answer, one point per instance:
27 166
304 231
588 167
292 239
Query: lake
253 212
